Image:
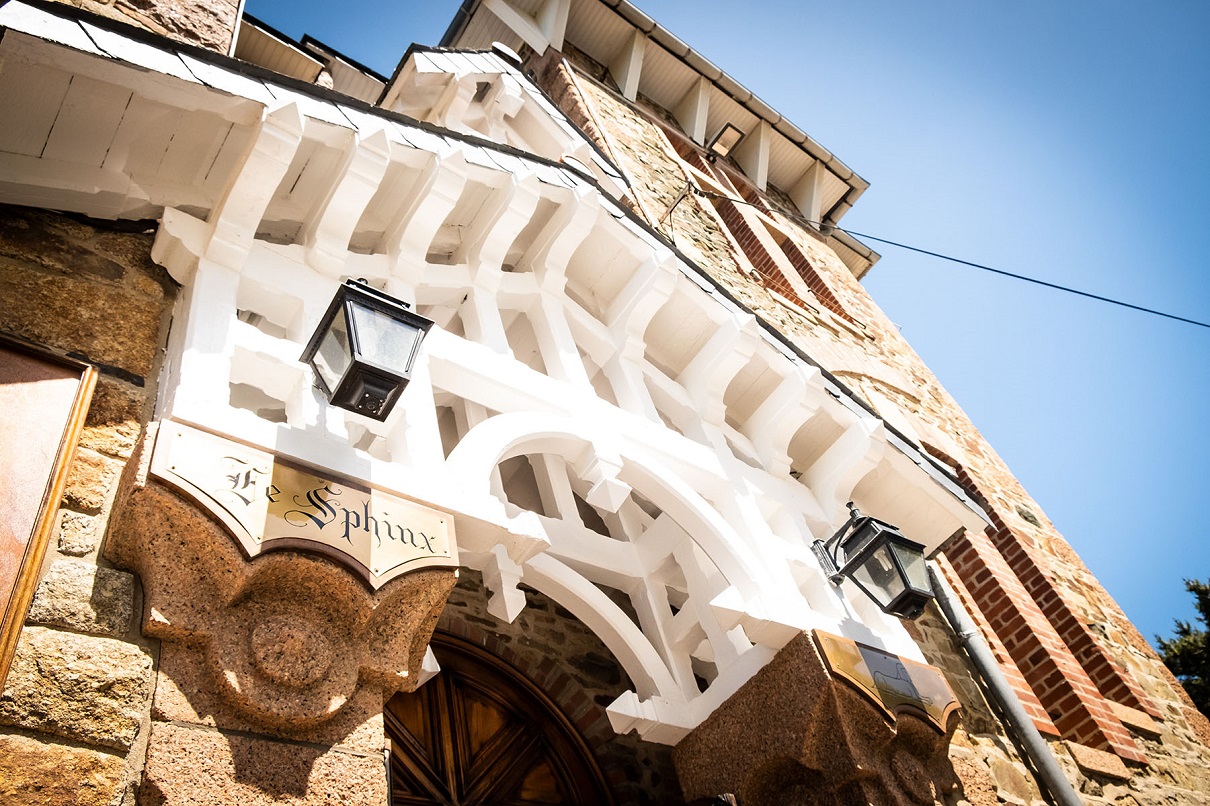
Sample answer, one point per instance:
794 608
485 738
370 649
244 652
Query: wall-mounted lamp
727 139
363 350
889 568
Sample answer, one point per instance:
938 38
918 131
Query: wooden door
481 733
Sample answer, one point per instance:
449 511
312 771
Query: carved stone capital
798 734
287 639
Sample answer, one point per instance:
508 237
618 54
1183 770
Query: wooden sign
267 504
893 683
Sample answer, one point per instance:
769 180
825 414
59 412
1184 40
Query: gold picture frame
44 398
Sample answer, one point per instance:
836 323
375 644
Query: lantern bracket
826 551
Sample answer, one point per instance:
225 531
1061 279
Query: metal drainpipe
1031 742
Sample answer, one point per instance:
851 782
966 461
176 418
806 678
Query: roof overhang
645 58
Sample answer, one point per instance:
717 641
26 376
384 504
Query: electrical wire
960 261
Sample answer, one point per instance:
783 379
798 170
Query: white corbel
569 228
752 154
627 65
503 100
238 214
711 371
774 423
807 192
835 474
642 297
499 225
450 110
693 109
328 241
501 575
433 200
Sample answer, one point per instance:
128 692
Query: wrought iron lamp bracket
826 551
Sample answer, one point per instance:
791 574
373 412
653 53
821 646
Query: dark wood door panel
480 734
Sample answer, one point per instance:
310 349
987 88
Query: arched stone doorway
481 733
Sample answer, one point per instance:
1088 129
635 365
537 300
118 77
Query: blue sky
1066 141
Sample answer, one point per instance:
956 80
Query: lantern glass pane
333 357
879 575
867 532
383 340
725 140
912 560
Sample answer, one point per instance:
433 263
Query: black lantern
725 141
363 350
889 568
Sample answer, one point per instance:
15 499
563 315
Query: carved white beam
238 214
711 371
623 638
627 65
807 192
328 234
835 474
693 110
560 354
752 154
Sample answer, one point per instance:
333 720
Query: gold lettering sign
267 504
893 683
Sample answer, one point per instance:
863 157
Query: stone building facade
653 382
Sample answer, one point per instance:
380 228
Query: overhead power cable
962 262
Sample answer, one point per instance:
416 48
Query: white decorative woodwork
598 422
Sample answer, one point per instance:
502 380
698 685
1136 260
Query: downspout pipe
997 686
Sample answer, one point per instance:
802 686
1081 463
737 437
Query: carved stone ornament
797 733
287 638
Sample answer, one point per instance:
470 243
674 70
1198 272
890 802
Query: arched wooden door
481 733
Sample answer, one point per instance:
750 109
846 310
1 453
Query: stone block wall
209 24
1120 723
74 709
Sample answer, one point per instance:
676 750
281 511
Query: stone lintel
1098 762
1136 720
